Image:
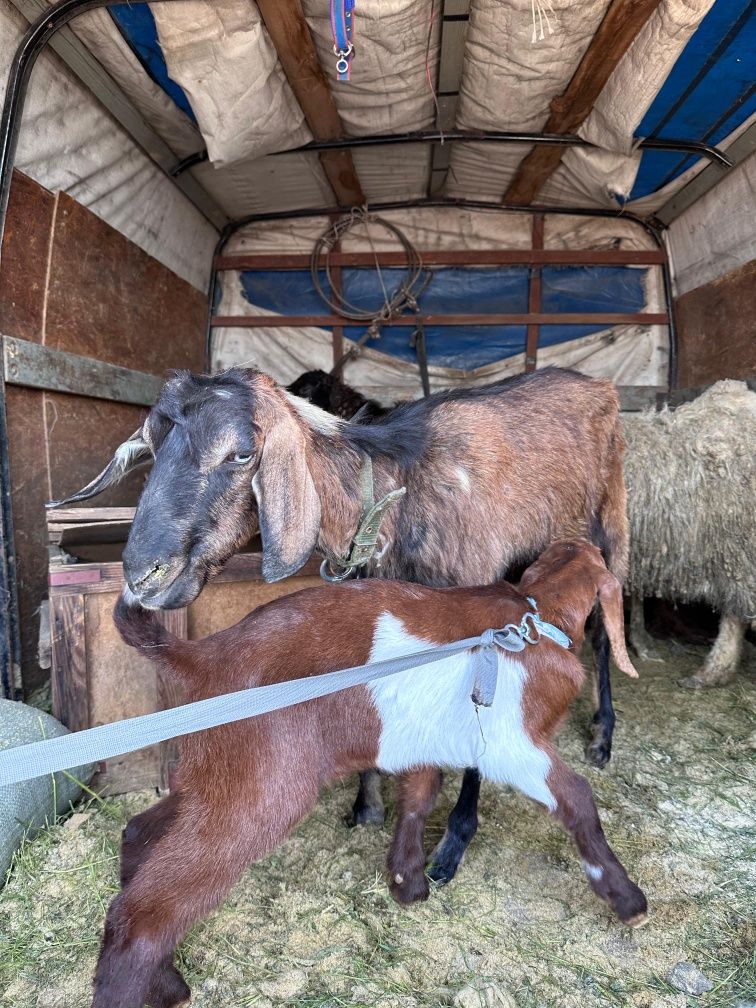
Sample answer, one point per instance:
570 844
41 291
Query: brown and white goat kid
242 787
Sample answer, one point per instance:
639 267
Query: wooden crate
96 678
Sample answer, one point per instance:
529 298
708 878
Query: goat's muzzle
154 584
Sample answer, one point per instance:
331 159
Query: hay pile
313 925
691 481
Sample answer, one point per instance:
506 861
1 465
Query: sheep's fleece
691 481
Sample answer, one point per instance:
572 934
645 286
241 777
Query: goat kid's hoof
368 815
598 753
408 889
443 863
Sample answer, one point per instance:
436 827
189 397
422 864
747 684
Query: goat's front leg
576 810
722 661
599 749
368 805
416 793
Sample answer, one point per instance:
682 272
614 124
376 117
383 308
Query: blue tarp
458 291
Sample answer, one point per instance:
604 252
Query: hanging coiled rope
403 297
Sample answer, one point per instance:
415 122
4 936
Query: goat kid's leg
416 792
576 810
599 749
368 805
183 877
461 828
142 832
722 661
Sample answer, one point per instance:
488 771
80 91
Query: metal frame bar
714 154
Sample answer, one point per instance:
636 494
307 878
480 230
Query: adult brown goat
242 787
493 475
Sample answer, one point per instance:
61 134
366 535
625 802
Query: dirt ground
313 925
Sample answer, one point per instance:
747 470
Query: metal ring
342 65
334 578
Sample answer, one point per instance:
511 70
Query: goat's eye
237 458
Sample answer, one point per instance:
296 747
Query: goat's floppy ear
610 597
287 501
129 456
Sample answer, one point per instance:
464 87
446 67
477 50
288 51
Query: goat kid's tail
140 628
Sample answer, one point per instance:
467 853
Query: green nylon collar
365 539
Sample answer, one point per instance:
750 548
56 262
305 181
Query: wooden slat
534 296
525 318
616 33
70 516
286 25
70 693
476 257
108 577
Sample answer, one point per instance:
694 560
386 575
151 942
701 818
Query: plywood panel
716 329
226 603
110 300
25 253
122 684
83 434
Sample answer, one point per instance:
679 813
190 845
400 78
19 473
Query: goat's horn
129 456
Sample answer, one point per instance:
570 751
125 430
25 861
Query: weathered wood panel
716 329
224 604
121 684
70 686
23 273
26 438
110 300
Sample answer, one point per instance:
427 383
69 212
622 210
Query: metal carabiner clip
334 578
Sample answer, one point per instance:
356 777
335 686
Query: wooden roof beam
614 36
286 25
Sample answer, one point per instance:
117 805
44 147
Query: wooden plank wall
70 281
716 329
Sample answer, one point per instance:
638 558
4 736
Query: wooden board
110 300
23 274
715 329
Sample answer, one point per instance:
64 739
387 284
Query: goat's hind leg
183 877
460 830
167 986
368 807
599 749
576 810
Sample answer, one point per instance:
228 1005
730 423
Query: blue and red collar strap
342 24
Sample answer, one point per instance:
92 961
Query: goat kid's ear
129 456
287 501
610 597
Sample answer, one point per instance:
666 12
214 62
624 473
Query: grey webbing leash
106 741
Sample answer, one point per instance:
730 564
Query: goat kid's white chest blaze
428 718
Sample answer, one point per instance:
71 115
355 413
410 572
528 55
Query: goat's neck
335 469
